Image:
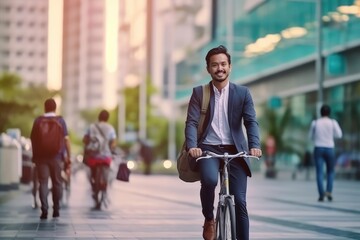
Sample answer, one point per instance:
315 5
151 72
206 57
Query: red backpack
47 137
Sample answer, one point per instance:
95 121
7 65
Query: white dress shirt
219 132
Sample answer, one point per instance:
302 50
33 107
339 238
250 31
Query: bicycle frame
226 157
225 216
225 176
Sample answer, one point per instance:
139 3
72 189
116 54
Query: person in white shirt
104 132
323 131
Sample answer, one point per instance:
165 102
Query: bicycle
100 185
225 214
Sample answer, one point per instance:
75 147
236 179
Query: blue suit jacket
240 109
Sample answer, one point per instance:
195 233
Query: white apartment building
89 72
23 39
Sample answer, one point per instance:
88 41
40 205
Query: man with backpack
51 152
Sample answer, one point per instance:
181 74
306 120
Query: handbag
123 173
186 173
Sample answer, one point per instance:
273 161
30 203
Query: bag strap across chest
204 107
101 132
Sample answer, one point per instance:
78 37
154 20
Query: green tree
20 104
156 127
288 133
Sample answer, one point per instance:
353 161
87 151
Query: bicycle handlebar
209 154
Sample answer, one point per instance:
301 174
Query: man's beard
217 79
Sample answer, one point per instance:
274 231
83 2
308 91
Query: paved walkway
163 207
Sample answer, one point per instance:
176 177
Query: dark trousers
51 168
209 171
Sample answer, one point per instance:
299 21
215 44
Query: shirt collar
225 89
50 114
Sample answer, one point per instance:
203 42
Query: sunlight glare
54 56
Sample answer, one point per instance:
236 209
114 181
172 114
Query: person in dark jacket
147 156
230 106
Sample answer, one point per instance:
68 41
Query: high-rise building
24 39
90 55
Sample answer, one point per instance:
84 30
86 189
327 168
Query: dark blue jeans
324 155
209 170
51 168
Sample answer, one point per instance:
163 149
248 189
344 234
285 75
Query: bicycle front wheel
219 222
229 219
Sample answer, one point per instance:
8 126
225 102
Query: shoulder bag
186 174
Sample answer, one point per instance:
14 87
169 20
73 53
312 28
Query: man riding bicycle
230 106
104 135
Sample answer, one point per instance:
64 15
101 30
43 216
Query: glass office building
293 55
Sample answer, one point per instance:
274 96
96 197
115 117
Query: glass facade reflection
274 48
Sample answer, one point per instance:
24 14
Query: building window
5 53
6 23
5 67
5 38
7 8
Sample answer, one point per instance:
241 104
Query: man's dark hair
325 110
104 116
218 50
50 105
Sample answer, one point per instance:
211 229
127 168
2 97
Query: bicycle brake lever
203 156
253 157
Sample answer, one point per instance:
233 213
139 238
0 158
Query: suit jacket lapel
230 103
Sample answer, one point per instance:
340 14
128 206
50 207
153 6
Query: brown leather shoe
209 230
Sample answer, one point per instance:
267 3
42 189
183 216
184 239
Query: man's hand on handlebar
195 152
255 152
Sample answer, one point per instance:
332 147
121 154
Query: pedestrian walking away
99 142
230 105
323 131
51 152
146 152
